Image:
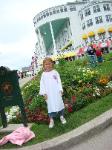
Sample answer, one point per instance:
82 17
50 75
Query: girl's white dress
50 84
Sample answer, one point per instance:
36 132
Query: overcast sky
17 33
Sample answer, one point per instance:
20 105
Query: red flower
73 98
70 108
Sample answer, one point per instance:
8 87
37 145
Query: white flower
12 113
94 95
98 94
109 84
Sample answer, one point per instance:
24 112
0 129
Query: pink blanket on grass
19 136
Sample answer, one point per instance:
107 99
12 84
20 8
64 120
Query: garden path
24 80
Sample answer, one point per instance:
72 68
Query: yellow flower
103 80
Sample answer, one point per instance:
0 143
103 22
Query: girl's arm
59 83
42 86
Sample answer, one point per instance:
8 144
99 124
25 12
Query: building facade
63 29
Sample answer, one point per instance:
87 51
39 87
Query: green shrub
77 79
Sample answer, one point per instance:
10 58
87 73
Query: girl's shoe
51 124
63 120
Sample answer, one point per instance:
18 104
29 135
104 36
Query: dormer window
87 12
96 9
106 7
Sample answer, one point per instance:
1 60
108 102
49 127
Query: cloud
16 21
14 32
17 33
17 55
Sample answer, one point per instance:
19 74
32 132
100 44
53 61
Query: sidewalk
24 80
67 140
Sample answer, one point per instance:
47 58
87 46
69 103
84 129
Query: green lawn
74 120
105 68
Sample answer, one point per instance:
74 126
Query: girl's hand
45 96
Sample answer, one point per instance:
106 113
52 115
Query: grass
74 120
105 68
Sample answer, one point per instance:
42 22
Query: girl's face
48 66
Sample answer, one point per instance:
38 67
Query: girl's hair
48 59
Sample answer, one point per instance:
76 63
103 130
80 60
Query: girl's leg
51 123
61 113
63 120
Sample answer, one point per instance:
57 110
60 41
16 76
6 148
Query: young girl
51 89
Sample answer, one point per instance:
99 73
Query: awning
54 57
68 45
110 29
65 55
101 30
91 33
84 36
41 62
69 54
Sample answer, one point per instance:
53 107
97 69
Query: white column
41 42
39 39
54 43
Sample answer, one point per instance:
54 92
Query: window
92 38
98 19
47 14
81 16
40 17
61 9
89 22
65 9
57 11
102 36
50 13
83 26
108 18
106 7
54 12
110 33
87 12
43 16
34 24
37 19
96 9
72 8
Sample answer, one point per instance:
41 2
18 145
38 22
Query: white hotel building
65 28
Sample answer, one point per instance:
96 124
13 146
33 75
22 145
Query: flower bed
81 86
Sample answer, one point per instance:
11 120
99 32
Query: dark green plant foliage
74 120
80 114
37 103
70 77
